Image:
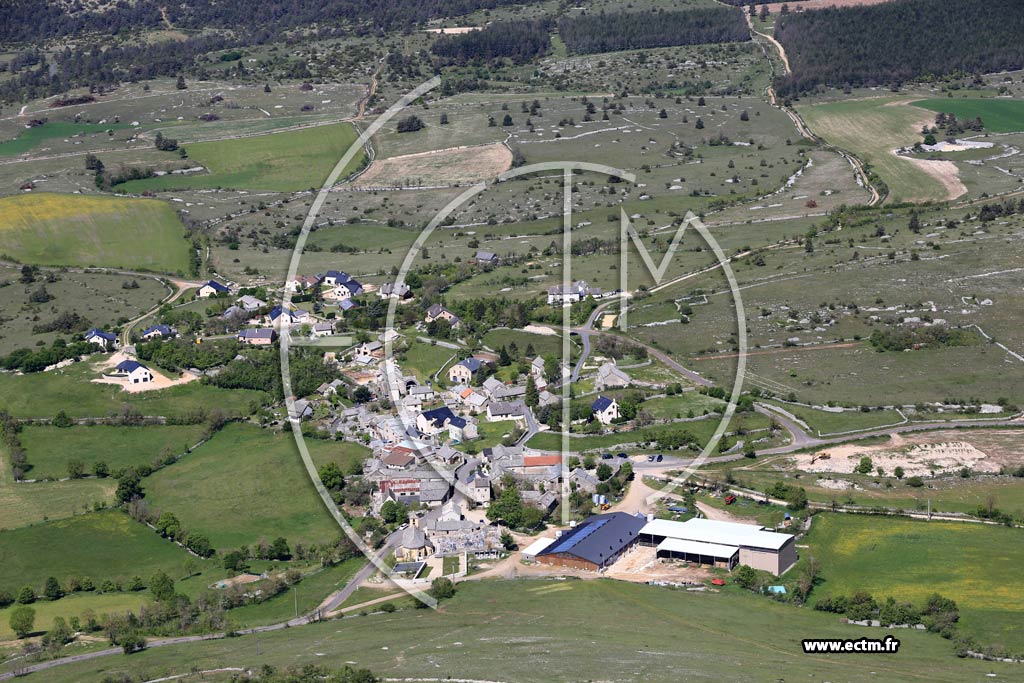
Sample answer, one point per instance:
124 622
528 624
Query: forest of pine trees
590 33
519 41
899 41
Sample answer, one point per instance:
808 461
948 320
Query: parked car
658 458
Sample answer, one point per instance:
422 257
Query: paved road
333 601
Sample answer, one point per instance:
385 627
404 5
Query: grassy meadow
871 128
999 116
43 394
50 229
51 449
243 485
31 138
278 162
100 545
630 632
975 565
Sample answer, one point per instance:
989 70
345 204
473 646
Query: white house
136 372
605 409
465 371
335 277
324 329
431 422
562 294
105 340
347 289
159 332
212 288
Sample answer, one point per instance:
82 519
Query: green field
50 449
43 394
999 116
976 565
74 606
279 162
27 504
31 138
533 631
50 229
99 545
824 423
871 128
243 485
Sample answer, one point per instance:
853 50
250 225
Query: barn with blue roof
594 543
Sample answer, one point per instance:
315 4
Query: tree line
590 33
899 41
519 41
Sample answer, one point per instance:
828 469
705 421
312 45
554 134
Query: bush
442 589
410 124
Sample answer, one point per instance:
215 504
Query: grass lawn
50 449
100 545
243 485
999 116
43 394
278 162
31 138
871 128
976 565
77 230
423 360
491 626
311 591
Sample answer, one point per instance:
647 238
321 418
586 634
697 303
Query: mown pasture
244 485
287 161
50 229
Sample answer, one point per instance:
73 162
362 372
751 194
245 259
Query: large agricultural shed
721 544
594 543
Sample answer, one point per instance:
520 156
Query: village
426 474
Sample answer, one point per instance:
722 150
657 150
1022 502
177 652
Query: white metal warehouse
721 544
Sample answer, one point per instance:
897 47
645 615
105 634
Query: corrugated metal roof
677 545
714 531
537 546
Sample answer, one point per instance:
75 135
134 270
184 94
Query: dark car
658 458
606 456
623 455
